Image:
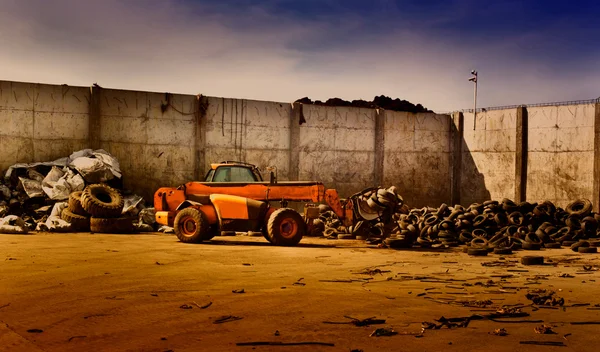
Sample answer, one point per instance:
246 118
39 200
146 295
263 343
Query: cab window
209 176
233 174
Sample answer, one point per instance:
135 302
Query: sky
282 50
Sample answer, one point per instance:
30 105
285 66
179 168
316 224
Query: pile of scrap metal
500 226
67 194
376 212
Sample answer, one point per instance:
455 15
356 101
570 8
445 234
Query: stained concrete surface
124 293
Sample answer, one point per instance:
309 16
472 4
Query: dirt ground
129 293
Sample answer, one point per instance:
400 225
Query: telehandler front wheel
285 227
191 226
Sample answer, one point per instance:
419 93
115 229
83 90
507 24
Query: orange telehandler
234 197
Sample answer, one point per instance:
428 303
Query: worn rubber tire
579 244
101 201
587 250
362 238
580 207
191 226
346 236
532 260
529 246
75 204
111 225
78 222
503 251
477 252
552 245
397 243
280 218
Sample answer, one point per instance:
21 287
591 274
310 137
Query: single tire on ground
346 236
101 201
532 260
286 227
112 225
552 245
78 222
191 226
478 252
75 204
587 249
529 246
579 244
362 238
397 243
503 251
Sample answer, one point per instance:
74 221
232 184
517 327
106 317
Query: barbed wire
559 103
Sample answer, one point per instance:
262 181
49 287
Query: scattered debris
278 343
383 332
203 306
544 329
543 343
76 337
4 306
276 333
239 291
545 298
226 319
185 306
585 323
499 332
115 298
35 331
299 282
358 322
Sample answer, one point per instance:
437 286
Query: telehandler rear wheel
285 227
191 226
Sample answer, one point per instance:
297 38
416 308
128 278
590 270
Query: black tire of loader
98 207
111 225
193 217
75 206
274 227
78 222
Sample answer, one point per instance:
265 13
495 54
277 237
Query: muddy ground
129 293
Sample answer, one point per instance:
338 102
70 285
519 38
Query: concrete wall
41 122
154 148
257 132
560 153
337 147
418 154
167 139
488 156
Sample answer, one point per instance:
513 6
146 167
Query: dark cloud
284 49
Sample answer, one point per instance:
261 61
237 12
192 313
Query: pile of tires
98 208
502 226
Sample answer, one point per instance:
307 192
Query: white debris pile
37 194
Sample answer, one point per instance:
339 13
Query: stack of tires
97 208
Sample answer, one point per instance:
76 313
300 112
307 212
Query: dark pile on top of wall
379 102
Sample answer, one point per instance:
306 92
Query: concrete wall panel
561 153
61 126
16 123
